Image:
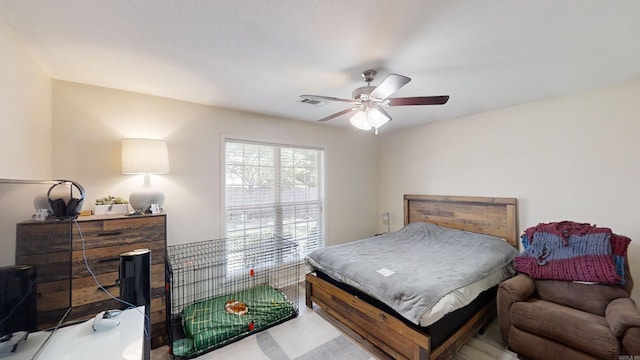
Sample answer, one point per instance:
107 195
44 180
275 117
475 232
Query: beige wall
568 158
89 122
25 119
25 112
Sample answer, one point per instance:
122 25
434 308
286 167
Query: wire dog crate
225 289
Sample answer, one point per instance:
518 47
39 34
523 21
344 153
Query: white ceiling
260 55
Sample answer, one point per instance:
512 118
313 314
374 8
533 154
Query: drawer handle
110 233
115 284
109 259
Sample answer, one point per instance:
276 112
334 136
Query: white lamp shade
144 156
359 120
368 119
376 118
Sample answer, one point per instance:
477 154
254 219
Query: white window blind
274 191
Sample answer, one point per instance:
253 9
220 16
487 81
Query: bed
390 329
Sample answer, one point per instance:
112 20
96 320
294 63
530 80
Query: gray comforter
411 269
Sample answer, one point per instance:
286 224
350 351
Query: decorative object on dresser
571 299
145 156
59 250
383 326
66 206
111 205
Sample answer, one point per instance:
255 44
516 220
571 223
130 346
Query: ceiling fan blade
388 86
419 100
325 98
338 114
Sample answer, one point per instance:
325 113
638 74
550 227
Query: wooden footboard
385 331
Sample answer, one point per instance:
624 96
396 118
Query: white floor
296 337
312 327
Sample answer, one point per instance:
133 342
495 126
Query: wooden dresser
57 249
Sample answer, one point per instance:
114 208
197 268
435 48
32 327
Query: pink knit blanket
573 251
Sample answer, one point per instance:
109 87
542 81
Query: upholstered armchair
551 319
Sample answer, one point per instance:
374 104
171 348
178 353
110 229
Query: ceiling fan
370 101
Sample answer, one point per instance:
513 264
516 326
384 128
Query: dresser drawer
106 259
85 290
103 241
47 244
42 237
118 232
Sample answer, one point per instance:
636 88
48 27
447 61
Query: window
274 192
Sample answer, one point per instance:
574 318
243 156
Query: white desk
80 342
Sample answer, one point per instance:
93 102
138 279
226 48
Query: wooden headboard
484 215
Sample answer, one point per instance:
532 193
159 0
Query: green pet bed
207 325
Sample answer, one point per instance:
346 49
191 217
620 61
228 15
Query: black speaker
70 209
135 287
17 299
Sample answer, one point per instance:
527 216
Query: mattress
422 271
462 297
206 324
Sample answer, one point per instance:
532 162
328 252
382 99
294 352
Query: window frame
278 205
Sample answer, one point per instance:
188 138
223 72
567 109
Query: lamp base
143 198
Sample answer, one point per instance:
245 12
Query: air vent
313 102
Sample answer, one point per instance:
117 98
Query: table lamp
145 156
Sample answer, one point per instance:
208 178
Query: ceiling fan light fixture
369 101
376 118
360 120
369 119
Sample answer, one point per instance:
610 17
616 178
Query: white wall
89 122
25 112
25 119
568 158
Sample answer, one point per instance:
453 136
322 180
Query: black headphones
71 209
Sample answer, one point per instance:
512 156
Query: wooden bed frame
493 216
